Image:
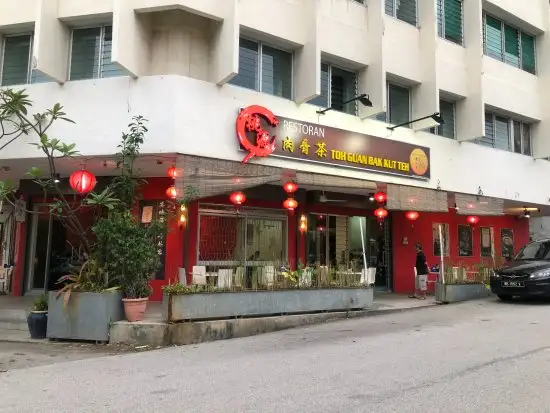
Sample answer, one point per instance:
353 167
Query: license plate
513 284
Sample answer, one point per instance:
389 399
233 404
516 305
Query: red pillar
19 259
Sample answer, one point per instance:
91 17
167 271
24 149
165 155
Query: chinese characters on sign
327 145
152 211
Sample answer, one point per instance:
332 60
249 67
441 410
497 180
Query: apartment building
461 81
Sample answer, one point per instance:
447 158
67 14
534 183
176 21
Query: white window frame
512 137
502 43
388 115
442 36
260 66
394 13
101 47
437 128
329 91
29 61
511 143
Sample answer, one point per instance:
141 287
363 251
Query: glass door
38 249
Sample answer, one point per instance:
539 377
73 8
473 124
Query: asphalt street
481 356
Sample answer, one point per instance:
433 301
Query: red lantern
172 192
380 213
82 181
173 172
412 215
238 198
472 219
291 204
380 197
290 187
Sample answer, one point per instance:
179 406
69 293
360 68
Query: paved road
480 356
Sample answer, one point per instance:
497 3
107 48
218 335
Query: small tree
16 121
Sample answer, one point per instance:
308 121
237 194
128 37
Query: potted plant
86 304
129 250
37 319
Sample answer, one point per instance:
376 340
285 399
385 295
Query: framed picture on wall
507 243
486 241
438 248
465 241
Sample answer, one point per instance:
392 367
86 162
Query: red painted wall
421 231
156 190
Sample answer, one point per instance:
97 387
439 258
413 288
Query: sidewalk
153 331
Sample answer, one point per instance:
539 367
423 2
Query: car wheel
505 297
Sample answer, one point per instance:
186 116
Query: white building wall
180 55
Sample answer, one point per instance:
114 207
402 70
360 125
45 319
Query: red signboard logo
249 123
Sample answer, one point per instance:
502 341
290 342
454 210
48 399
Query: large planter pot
134 308
38 323
87 316
451 293
203 306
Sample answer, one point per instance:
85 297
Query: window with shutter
15 64
517 137
527 53
526 139
91 54
323 99
509 44
493 37
404 10
489 138
505 133
108 68
447 113
342 85
449 20
502 133
264 69
248 65
399 104
85 51
276 72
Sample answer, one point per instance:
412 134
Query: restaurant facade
360 194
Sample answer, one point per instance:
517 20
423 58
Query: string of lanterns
380 213
290 203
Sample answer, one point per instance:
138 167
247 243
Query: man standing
421 282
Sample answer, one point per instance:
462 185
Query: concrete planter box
203 306
88 316
451 293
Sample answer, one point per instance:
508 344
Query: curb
371 313
328 318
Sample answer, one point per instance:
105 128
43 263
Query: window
342 85
17 62
507 134
449 20
91 54
404 10
447 112
509 44
399 105
264 69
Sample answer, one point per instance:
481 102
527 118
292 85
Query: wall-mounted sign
262 134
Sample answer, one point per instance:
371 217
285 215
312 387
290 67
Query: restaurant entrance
339 242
